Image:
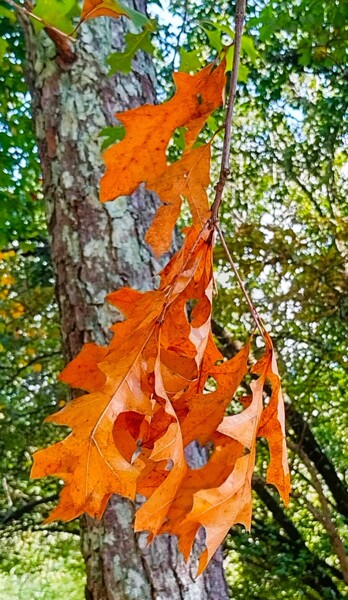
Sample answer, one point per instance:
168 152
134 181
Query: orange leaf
127 378
151 127
88 460
102 8
206 411
187 178
272 427
141 156
149 401
83 371
169 447
217 509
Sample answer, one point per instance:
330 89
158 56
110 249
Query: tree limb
17 513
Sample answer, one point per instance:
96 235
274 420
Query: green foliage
59 13
111 135
122 61
189 61
43 566
138 18
3 48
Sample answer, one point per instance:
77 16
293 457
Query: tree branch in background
303 437
17 513
323 515
317 575
301 434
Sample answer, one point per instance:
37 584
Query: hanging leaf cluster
162 383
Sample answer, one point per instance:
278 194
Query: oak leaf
162 383
102 8
90 460
150 127
83 371
218 508
140 157
111 8
149 400
187 178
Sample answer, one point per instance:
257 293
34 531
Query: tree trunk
96 249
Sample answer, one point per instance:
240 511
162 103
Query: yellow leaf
8 254
17 310
7 279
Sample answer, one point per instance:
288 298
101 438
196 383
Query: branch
257 319
319 566
14 515
304 438
32 361
226 149
323 515
225 159
302 434
182 29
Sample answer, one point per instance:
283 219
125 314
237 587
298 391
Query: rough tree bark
96 249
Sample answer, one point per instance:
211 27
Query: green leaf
215 41
225 29
57 13
189 61
136 17
179 138
111 135
229 59
305 57
220 27
214 37
243 73
243 69
212 123
8 14
122 61
3 48
249 49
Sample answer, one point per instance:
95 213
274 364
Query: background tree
287 222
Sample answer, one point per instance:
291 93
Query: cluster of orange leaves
149 393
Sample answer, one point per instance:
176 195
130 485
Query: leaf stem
27 12
226 149
257 319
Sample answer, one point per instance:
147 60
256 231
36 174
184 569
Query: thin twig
30 362
17 513
257 319
226 149
183 26
225 159
27 12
